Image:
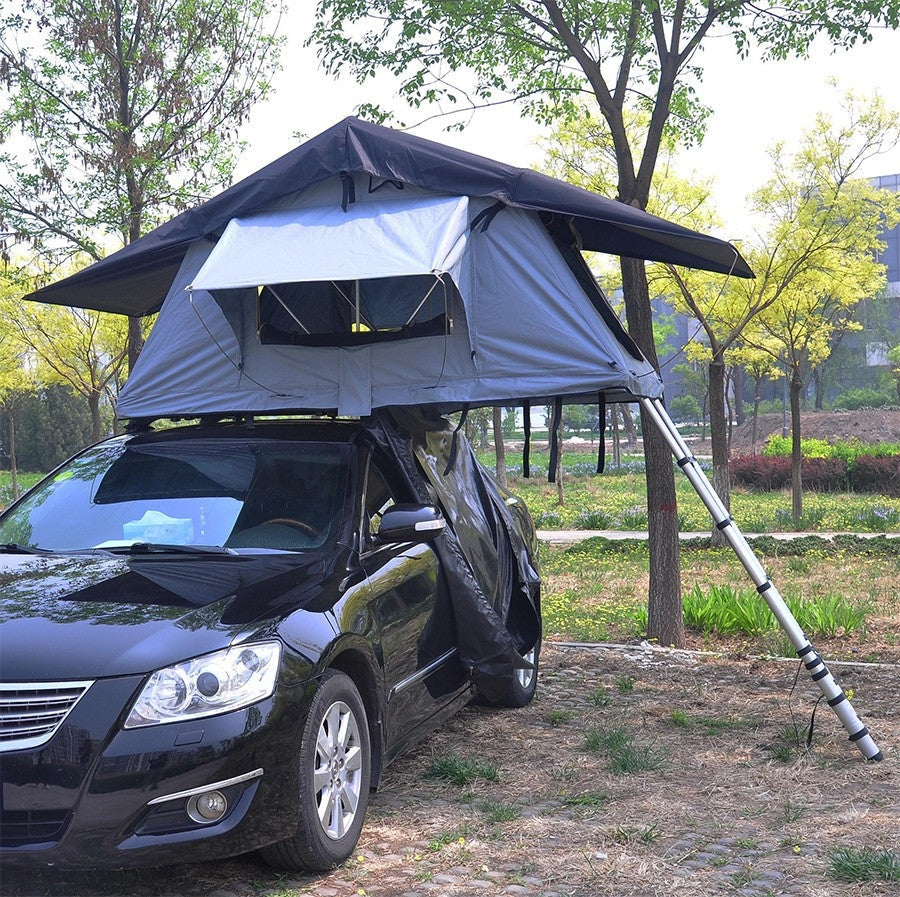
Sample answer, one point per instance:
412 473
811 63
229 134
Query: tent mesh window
356 312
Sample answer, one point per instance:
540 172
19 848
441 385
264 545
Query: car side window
378 499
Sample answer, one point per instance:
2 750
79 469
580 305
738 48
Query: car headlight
215 683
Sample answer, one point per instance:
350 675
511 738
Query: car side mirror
411 523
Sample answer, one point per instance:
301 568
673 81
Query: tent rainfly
369 268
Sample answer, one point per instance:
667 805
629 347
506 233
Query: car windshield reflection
187 496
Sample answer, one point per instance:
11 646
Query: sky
754 104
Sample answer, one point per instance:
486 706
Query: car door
412 617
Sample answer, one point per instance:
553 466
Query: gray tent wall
523 327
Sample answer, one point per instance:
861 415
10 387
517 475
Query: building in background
891 254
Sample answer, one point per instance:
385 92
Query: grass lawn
847 599
617 500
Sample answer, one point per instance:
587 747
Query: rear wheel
335 771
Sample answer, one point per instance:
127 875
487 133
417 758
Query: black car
214 637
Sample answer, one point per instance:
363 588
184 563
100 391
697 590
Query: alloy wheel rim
337 775
526 677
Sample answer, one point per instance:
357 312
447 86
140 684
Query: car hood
67 618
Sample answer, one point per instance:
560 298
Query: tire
335 772
520 690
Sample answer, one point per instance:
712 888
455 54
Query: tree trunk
94 405
499 446
754 430
718 434
560 487
665 617
796 454
729 412
13 466
785 402
135 341
738 376
819 387
630 429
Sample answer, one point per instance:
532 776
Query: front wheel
335 771
522 685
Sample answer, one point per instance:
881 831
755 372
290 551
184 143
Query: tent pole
814 664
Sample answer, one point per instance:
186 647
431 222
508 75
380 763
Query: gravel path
728 804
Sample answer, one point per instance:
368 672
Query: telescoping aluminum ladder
819 672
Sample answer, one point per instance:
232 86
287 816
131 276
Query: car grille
31 713
20 828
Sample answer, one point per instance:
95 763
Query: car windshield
184 494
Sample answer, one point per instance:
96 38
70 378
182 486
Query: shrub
729 611
854 864
873 474
768 473
811 519
633 518
761 472
548 520
879 519
854 399
685 409
823 474
782 446
595 519
461 771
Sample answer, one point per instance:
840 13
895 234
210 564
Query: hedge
870 474
865 473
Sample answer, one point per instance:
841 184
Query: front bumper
98 796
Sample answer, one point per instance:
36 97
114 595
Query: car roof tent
369 269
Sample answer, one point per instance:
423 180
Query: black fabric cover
135 280
491 578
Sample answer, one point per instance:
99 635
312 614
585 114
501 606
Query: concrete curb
573 536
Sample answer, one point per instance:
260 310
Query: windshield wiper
16 548
167 548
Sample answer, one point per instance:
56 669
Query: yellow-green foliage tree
81 349
817 259
583 153
17 381
617 55
758 365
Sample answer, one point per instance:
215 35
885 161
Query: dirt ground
730 805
